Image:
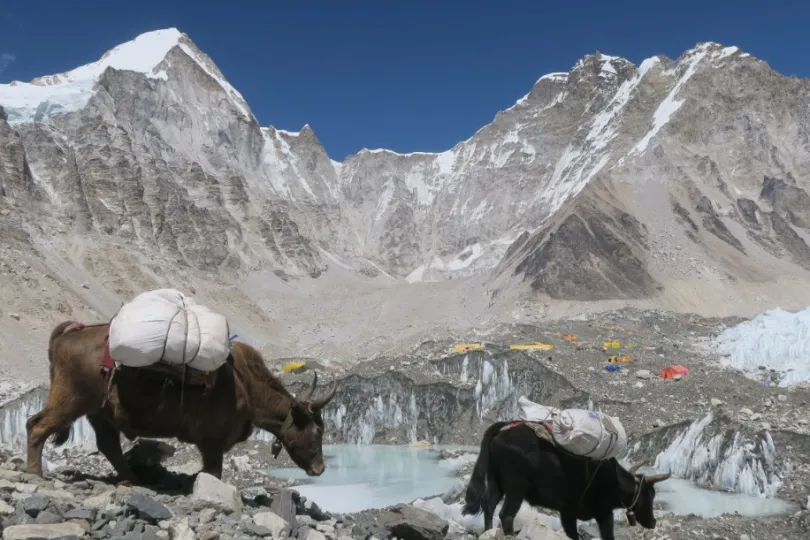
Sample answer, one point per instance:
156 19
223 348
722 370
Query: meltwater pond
360 477
678 496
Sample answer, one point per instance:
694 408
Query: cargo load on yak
165 325
585 433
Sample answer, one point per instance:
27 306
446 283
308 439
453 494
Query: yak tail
58 438
61 437
58 331
477 488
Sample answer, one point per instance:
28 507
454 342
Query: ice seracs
774 340
725 460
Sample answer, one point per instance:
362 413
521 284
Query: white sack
534 412
167 325
589 434
213 337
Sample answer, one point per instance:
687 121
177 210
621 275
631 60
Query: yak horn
654 478
312 388
321 403
634 469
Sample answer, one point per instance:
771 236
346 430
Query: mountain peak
63 92
142 54
70 91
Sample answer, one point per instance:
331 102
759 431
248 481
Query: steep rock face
146 161
20 193
536 153
595 253
714 187
15 177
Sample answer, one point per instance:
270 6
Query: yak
520 461
156 402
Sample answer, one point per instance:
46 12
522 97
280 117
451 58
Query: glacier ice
384 412
493 387
361 478
681 497
776 339
724 461
390 405
15 413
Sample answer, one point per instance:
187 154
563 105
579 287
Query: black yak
520 461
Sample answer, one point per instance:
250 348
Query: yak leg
108 442
492 496
57 417
36 442
606 526
212 457
569 525
510 508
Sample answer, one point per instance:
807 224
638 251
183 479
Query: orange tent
670 372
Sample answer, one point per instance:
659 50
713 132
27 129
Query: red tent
670 372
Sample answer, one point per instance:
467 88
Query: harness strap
628 510
277 446
185 348
108 370
588 485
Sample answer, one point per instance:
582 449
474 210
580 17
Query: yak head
637 493
302 435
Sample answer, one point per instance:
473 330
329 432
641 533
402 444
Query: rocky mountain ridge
677 183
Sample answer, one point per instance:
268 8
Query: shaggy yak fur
142 402
517 464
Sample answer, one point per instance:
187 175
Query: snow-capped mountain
698 188
682 181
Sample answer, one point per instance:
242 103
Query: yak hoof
508 526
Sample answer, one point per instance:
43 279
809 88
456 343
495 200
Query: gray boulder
411 523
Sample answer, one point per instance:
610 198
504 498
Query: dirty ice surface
359 477
776 339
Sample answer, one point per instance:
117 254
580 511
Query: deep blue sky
410 75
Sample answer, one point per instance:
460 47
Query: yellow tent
538 345
464 347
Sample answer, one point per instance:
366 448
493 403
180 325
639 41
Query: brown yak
142 403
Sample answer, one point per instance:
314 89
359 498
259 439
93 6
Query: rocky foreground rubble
80 499
72 503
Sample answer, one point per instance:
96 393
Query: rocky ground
81 500
646 403
644 343
648 342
